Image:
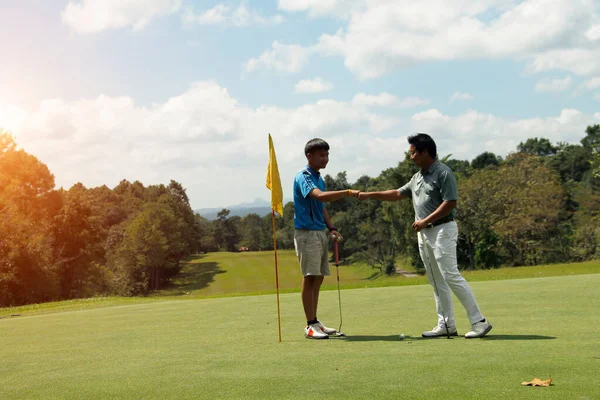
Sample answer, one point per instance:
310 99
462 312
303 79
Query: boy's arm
333 233
326 197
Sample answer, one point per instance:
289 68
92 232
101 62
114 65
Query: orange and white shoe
324 329
314 332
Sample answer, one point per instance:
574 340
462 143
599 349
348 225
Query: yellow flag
273 180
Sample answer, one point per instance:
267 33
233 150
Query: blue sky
152 90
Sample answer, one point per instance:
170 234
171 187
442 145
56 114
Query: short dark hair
315 144
423 141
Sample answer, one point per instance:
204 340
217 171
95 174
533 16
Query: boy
310 238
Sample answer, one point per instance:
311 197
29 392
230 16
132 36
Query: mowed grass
217 274
227 348
240 274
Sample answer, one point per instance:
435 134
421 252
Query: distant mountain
258 206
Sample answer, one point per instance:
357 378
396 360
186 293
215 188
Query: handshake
358 194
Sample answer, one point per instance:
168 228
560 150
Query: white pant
439 256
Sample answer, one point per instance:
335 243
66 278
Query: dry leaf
537 382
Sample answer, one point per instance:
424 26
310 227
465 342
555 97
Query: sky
154 90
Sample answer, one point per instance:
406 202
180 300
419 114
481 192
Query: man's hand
364 195
353 193
418 225
335 236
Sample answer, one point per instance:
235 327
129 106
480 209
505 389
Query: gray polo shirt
429 189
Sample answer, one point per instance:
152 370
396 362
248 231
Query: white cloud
316 85
593 33
386 35
207 140
592 84
480 132
319 8
553 85
222 14
387 100
578 60
460 96
92 16
282 58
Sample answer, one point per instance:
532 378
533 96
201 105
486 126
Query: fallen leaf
537 382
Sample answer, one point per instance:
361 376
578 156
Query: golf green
227 348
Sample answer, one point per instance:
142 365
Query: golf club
426 254
337 271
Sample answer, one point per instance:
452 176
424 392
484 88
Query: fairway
227 274
227 348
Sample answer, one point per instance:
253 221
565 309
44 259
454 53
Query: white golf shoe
329 331
314 332
479 329
440 331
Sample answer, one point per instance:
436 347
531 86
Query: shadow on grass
518 337
376 338
194 276
396 338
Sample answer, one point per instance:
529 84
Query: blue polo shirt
308 212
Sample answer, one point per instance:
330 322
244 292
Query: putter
337 271
426 253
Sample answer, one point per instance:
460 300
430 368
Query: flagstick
276 273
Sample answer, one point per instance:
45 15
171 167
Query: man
310 238
434 194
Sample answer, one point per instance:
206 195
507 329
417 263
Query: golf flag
274 184
273 181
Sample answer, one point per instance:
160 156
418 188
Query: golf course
214 334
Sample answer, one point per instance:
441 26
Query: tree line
540 204
63 244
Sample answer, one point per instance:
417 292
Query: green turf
227 348
242 274
217 274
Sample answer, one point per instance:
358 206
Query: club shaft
337 271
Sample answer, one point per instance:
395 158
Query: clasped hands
417 225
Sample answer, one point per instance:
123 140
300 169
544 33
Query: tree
537 147
572 162
586 223
519 203
149 252
592 142
27 203
592 139
461 168
484 160
251 232
226 235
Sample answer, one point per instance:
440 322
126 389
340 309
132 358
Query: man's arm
326 197
388 195
443 210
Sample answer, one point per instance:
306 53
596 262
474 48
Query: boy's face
318 159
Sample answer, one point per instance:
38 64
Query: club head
339 334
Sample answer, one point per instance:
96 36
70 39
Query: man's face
418 158
318 159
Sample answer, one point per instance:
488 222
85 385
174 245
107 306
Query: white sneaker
329 331
440 331
314 332
479 329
